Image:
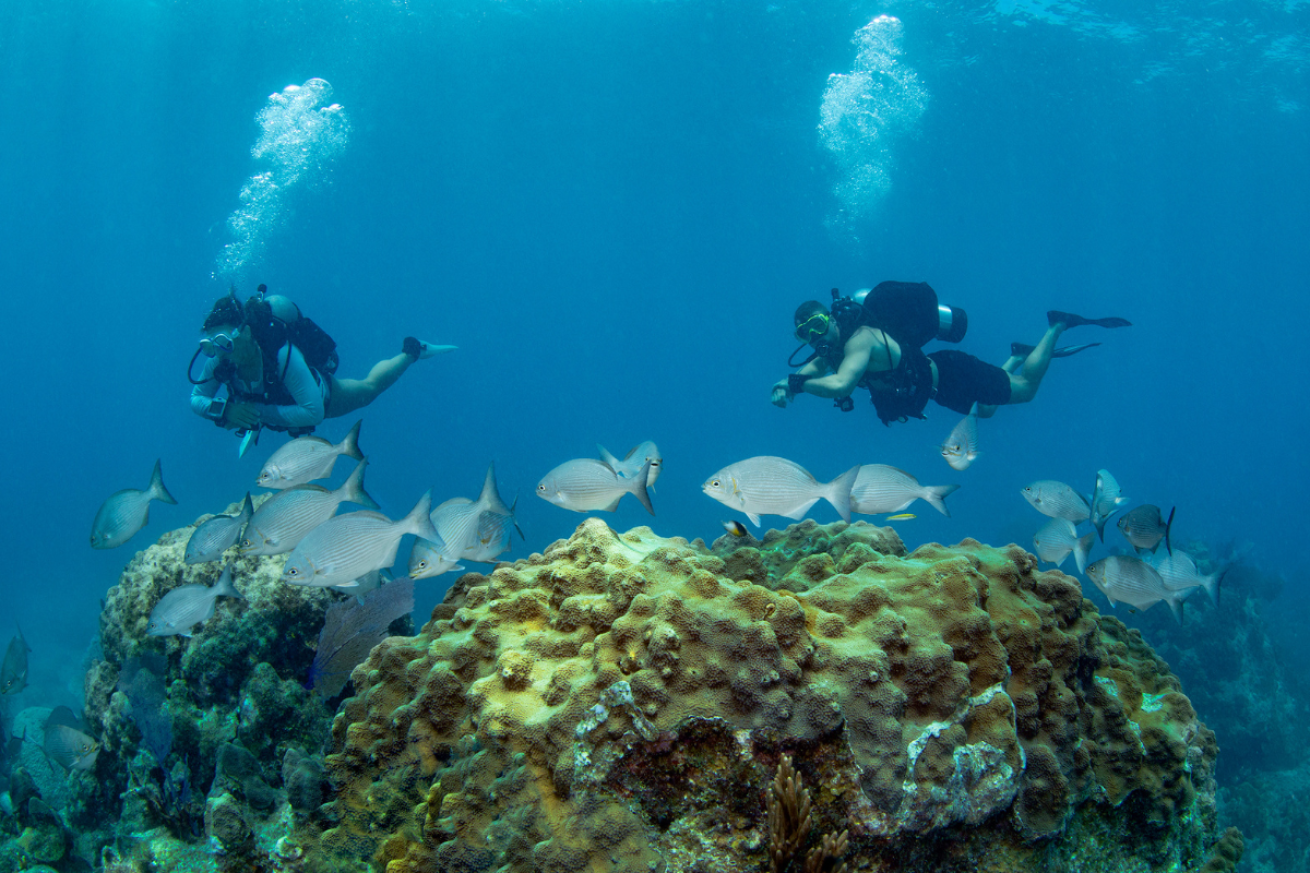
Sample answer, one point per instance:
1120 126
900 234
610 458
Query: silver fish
13 674
428 559
1125 579
880 488
1144 527
66 744
1105 501
457 519
767 485
342 549
493 535
126 512
630 466
215 536
285 518
186 606
1180 573
1057 538
307 458
961 447
587 485
1057 500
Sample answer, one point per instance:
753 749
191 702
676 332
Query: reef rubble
624 702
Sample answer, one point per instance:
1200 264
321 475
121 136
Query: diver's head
222 326
814 324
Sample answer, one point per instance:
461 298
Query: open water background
613 208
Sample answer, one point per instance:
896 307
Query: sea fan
350 631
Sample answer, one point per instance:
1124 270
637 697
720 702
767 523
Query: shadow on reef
624 702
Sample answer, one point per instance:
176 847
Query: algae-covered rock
622 703
196 731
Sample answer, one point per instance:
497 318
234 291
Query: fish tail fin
838 492
491 500
226 585
247 508
973 410
935 496
353 488
157 489
608 459
1081 547
638 487
350 445
1100 527
1168 525
1175 601
418 521
1212 582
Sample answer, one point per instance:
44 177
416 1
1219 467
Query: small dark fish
13 675
65 742
1144 527
215 536
735 528
126 512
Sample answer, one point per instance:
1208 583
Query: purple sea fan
350 631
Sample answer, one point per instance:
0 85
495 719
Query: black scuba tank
911 313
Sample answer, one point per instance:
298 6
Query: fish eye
292 571
422 565
715 483
541 487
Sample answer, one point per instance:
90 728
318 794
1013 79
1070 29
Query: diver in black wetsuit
877 346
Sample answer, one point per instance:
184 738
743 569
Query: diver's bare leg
1024 384
349 395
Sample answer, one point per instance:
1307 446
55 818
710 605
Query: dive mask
814 326
224 341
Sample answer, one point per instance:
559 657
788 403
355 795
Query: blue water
613 208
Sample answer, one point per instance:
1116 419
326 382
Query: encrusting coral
623 703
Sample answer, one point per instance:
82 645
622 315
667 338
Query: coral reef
623 703
212 747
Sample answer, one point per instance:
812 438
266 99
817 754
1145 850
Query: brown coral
621 703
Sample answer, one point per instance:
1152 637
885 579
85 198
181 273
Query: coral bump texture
623 703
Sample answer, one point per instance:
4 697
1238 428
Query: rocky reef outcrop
623 703
211 747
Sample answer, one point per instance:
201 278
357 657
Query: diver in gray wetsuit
876 343
278 369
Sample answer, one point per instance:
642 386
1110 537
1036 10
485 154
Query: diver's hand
781 394
242 416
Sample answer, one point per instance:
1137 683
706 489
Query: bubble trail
863 114
302 134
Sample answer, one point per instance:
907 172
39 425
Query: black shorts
963 380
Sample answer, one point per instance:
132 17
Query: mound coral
623 703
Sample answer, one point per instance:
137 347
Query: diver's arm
855 360
782 394
202 395
303 386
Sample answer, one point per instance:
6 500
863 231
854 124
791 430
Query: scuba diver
874 340
271 367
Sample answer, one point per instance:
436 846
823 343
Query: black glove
796 383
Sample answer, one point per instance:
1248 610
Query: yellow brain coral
621 703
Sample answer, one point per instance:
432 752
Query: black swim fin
1022 350
1070 320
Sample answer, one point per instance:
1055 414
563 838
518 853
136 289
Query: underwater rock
233 702
623 703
